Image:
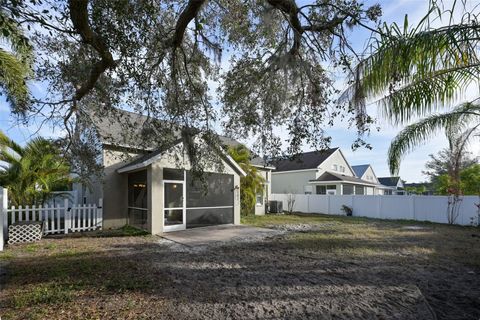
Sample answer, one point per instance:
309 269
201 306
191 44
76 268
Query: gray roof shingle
302 161
360 169
389 181
133 130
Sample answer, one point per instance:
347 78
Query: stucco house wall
173 158
115 186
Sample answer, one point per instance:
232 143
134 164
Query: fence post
308 203
379 206
352 203
4 218
100 212
328 204
66 216
412 207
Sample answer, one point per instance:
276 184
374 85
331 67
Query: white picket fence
59 218
411 207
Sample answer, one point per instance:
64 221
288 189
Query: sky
413 163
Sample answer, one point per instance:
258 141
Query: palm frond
16 64
419 132
415 73
13 74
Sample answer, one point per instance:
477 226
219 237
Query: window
321 190
326 189
334 167
359 190
308 189
342 169
259 198
347 189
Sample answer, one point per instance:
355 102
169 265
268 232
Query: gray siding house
319 172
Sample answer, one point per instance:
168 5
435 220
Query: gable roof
123 128
360 169
331 176
303 161
151 157
258 162
389 181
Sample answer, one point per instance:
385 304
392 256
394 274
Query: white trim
302 170
262 167
341 182
137 208
183 225
153 159
235 164
200 208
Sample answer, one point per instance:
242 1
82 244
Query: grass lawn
334 267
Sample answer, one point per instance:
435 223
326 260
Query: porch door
174 217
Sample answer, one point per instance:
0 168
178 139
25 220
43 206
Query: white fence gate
58 218
420 208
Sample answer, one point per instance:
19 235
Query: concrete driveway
206 236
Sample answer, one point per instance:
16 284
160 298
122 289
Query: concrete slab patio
206 236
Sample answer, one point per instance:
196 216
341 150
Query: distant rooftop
389 181
360 169
302 161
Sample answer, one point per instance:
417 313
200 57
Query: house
319 172
265 170
151 186
365 172
392 185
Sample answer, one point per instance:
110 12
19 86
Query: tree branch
79 17
289 7
187 15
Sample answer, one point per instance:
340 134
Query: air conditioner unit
275 206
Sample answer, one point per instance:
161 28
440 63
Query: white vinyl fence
420 208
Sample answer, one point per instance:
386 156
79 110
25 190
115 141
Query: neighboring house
319 172
365 172
265 170
150 186
392 185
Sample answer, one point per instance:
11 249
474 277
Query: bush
348 211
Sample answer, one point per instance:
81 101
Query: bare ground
320 268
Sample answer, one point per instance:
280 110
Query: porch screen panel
137 199
209 217
211 202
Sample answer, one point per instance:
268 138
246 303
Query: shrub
348 211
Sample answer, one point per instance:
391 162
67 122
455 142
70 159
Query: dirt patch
360 271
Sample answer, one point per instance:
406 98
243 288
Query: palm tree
252 183
15 64
412 74
33 172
